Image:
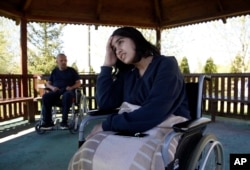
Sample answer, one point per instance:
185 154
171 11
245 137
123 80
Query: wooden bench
28 106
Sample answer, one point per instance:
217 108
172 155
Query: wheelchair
76 114
194 149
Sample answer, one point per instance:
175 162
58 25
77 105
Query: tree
237 65
75 66
236 37
244 41
8 54
149 34
3 57
184 66
210 67
44 44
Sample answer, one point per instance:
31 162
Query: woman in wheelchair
145 78
149 90
62 83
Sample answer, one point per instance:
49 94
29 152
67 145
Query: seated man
62 83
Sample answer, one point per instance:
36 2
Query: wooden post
158 38
24 58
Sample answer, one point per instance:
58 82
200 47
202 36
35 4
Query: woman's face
124 49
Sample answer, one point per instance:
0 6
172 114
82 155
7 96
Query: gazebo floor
53 150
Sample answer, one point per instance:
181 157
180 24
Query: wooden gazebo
158 14
154 14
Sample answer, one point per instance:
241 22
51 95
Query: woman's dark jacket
160 92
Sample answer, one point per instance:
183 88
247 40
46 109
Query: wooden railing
13 102
225 95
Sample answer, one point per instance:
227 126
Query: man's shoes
47 126
64 126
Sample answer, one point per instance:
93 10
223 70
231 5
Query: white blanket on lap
107 151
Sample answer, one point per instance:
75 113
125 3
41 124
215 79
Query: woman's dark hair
143 47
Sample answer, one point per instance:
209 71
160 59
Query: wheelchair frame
78 108
195 150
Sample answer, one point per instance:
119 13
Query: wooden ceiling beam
202 19
221 8
10 12
26 5
157 11
157 14
98 9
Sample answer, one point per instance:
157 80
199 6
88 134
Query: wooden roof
138 13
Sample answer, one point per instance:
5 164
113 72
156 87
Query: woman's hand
54 89
68 88
95 130
110 57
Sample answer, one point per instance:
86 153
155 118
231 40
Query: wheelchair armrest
191 125
92 115
102 112
46 88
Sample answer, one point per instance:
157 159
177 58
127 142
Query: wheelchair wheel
207 155
38 129
73 128
74 124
